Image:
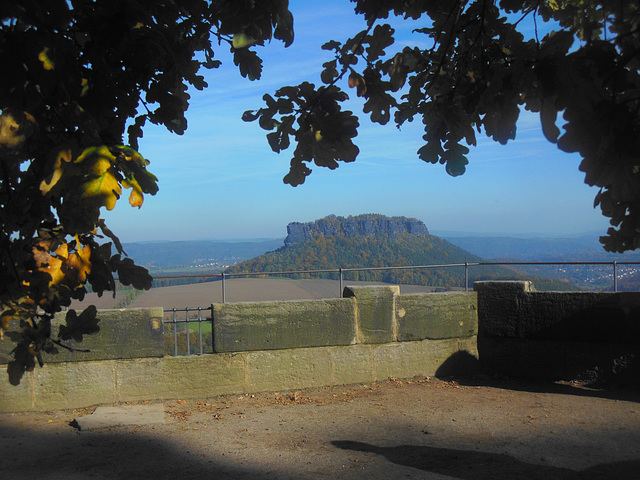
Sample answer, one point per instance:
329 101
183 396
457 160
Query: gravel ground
423 428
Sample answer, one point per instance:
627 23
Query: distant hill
584 248
377 241
157 256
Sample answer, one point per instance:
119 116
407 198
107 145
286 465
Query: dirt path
411 429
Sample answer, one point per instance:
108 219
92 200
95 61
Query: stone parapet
515 309
375 312
81 384
590 336
437 316
239 327
373 334
124 333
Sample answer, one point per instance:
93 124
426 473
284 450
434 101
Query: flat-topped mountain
354 226
376 241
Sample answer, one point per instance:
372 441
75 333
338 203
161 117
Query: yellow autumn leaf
100 152
78 265
136 197
242 40
47 63
47 263
104 189
9 129
6 316
14 130
553 4
131 155
100 166
48 183
357 81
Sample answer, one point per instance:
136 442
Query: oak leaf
48 183
105 189
78 264
136 197
49 264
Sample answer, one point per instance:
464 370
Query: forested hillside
325 252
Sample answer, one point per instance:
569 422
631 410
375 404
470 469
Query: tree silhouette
475 76
80 80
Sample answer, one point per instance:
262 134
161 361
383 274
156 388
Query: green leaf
548 115
557 42
431 152
456 164
101 275
331 45
249 63
131 274
455 158
135 130
284 27
329 73
278 141
250 115
506 123
298 172
381 38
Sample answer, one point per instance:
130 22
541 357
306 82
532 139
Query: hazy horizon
437 233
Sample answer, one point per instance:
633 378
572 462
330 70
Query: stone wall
370 335
590 336
124 333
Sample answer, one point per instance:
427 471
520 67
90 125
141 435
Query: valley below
237 290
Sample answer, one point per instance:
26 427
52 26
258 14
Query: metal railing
181 319
174 321
224 276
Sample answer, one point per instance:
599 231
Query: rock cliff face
361 225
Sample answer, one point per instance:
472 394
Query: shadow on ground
123 455
474 376
473 465
558 388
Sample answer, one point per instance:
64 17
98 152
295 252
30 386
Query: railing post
340 271
213 332
186 323
200 329
466 276
224 292
615 275
174 317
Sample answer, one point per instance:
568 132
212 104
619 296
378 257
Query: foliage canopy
474 78
78 77
81 78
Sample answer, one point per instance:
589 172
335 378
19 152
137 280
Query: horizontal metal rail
341 271
175 320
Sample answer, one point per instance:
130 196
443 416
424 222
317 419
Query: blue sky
222 181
